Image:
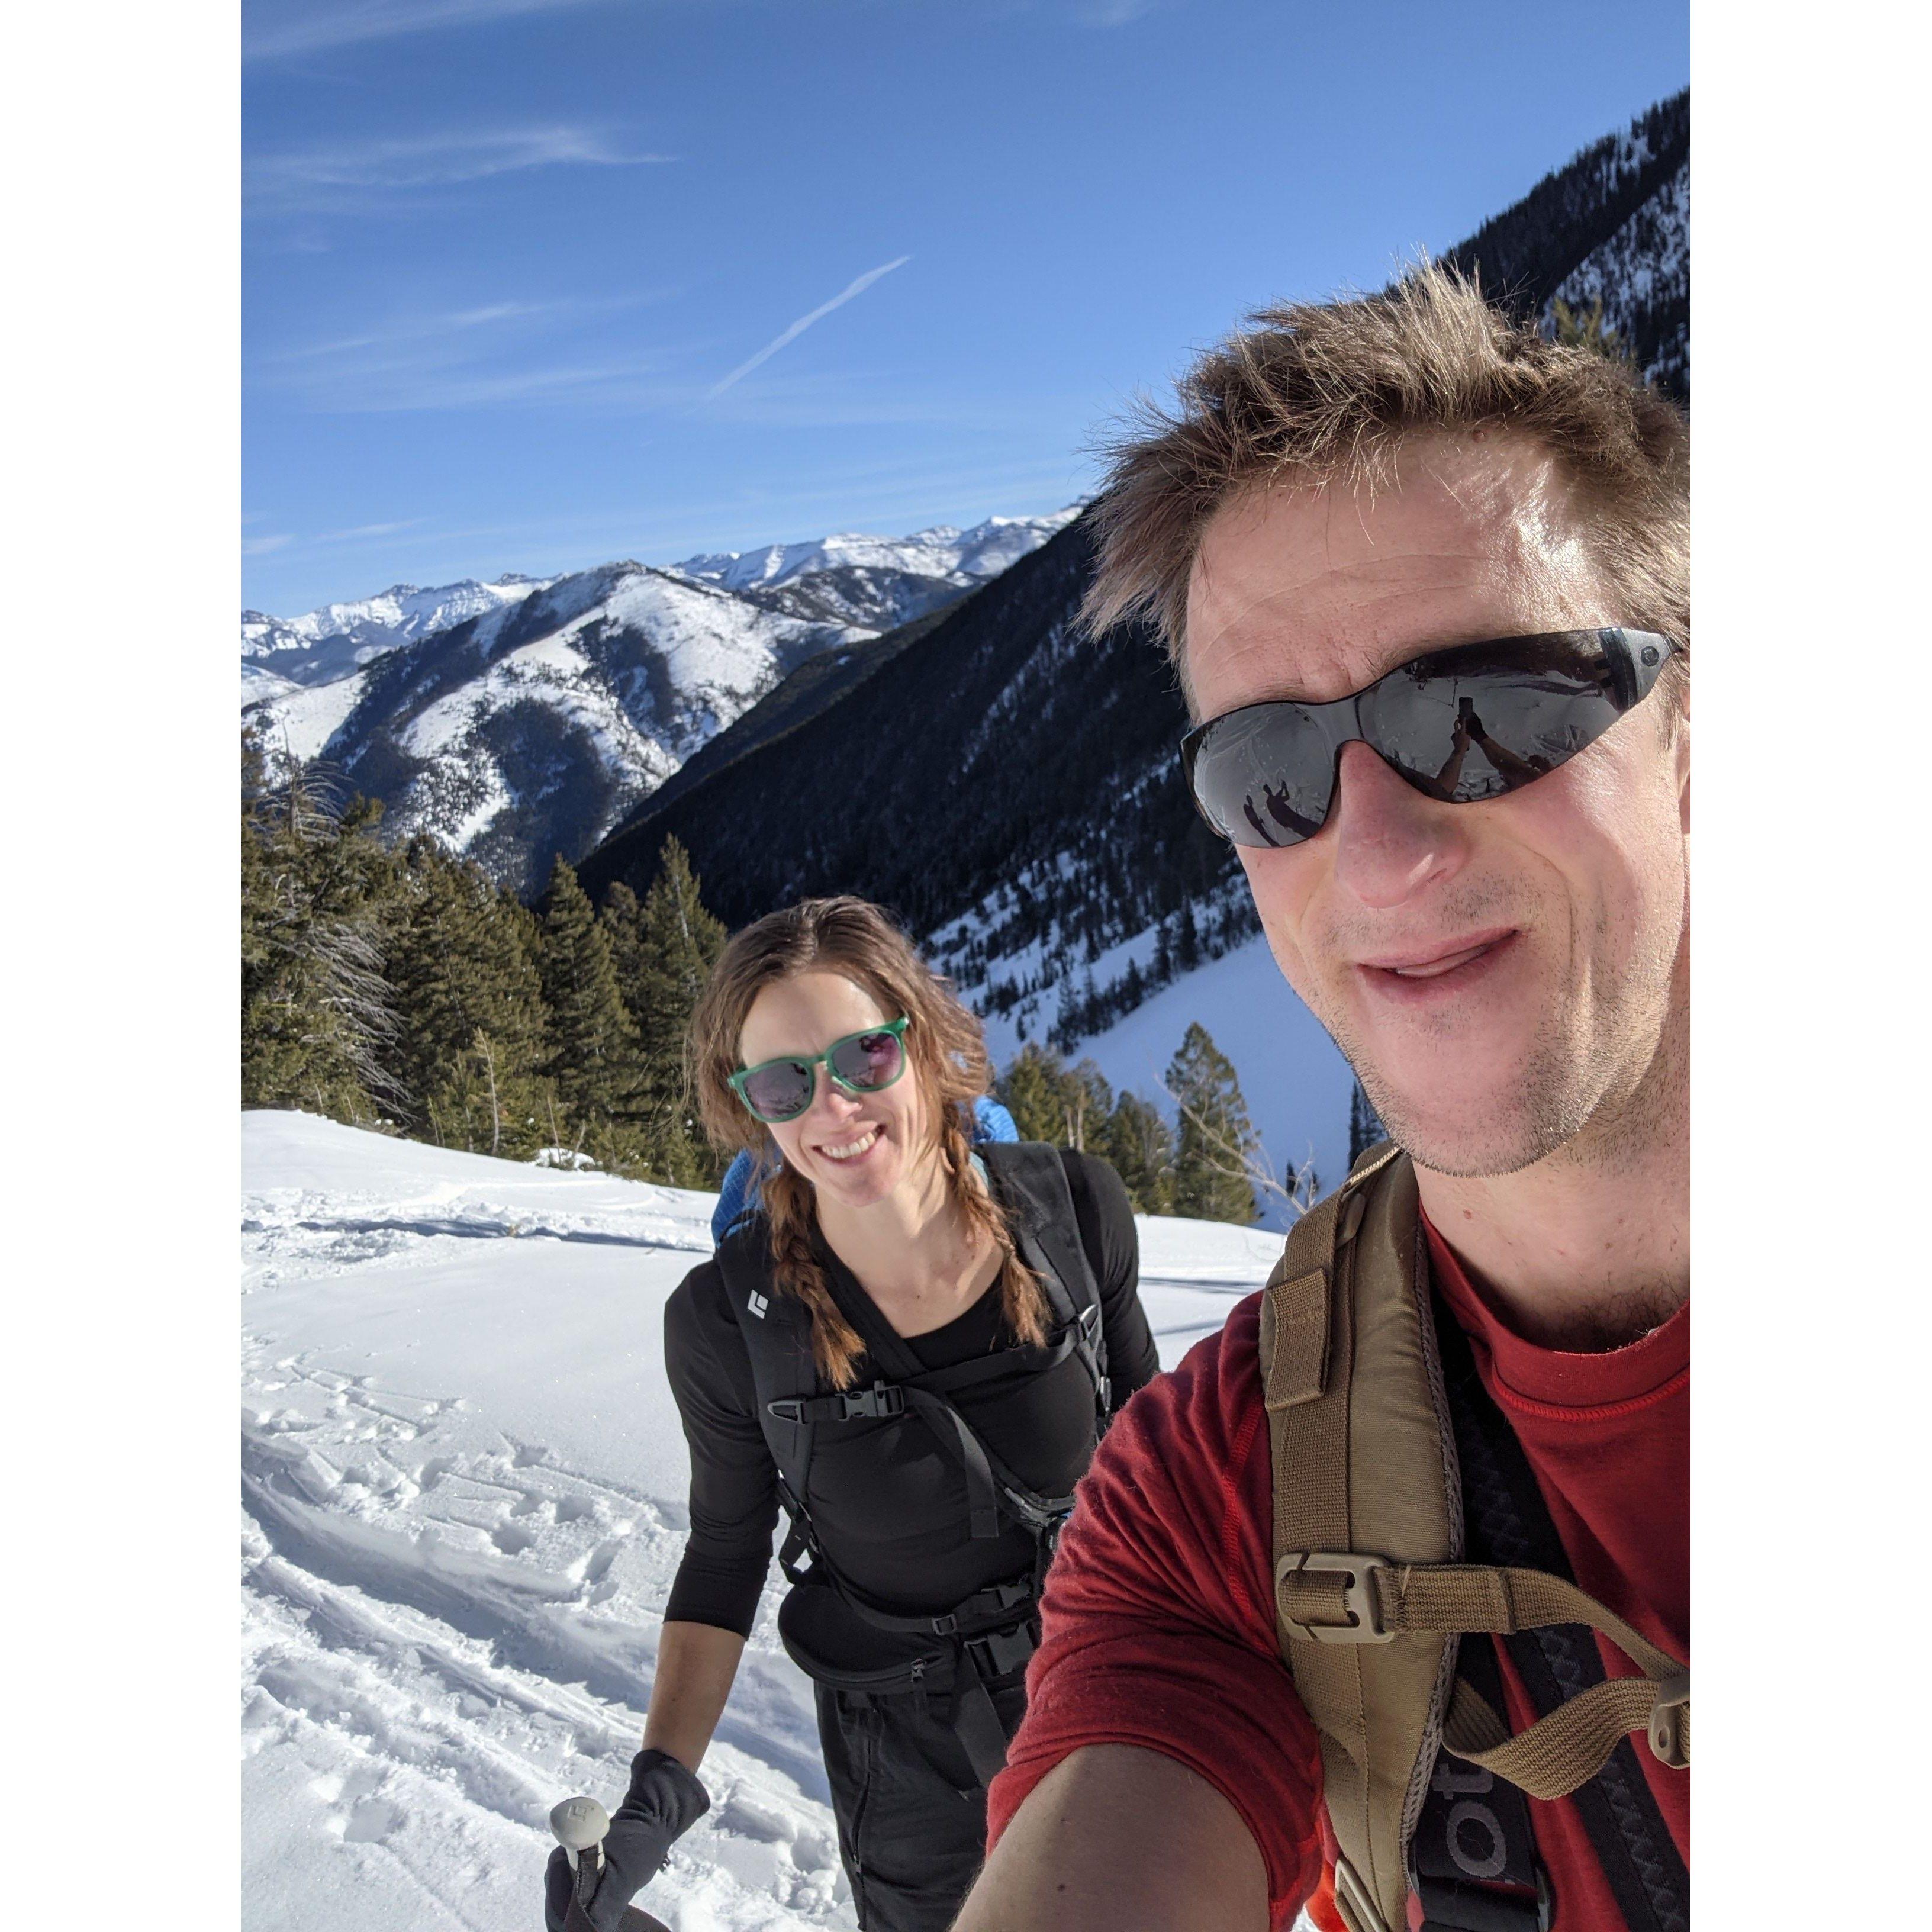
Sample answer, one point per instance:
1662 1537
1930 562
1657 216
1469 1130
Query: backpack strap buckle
1340 1585
999 1653
881 1400
1670 1722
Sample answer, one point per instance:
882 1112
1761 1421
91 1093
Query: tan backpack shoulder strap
1363 1462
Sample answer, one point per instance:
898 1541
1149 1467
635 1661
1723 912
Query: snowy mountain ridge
337 640
954 556
516 720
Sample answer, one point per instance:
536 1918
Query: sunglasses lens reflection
868 1060
779 1090
1265 775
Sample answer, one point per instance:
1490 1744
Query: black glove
663 1802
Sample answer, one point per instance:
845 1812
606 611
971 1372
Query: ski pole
580 1824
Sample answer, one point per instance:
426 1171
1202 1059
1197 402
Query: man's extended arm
1116 1836
1165 1756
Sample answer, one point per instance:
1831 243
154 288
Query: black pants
912 1820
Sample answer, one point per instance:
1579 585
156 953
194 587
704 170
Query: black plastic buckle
1452 1905
880 1400
1001 1652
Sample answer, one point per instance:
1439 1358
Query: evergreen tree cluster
398 988
1206 1162
1186 938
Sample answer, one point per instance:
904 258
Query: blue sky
532 284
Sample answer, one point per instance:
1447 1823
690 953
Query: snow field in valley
464 1494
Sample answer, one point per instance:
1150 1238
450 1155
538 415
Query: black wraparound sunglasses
780 1090
1471 722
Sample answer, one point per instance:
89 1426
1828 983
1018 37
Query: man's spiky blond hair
1318 393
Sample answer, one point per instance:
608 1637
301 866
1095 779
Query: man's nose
1390 841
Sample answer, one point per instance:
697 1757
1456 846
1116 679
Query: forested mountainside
1012 788
1007 767
1613 225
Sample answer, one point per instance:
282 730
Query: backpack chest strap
1325 1597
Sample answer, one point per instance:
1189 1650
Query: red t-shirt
1158 1620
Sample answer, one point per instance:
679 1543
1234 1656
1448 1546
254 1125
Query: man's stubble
1606 1062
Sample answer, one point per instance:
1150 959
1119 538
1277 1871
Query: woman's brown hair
945 1052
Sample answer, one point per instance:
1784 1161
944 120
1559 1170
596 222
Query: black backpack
994 1632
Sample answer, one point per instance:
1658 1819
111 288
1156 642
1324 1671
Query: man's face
1500 975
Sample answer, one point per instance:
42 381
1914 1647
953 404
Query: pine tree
1216 1140
1577 330
593 1058
317 1017
619 916
677 943
1140 1144
1187 941
1034 1090
471 1038
1086 1099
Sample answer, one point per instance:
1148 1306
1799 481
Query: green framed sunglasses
862 1063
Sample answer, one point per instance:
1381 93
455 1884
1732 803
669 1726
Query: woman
913 1347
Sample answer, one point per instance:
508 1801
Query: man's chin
1478 1135
1466 1111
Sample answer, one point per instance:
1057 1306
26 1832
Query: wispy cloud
363 531
348 173
276 28
414 329
804 322
262 546
625 385
494 353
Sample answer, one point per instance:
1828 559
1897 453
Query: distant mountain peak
941 550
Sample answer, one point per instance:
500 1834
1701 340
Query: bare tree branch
1249 1161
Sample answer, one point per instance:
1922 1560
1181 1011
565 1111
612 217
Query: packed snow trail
463 1487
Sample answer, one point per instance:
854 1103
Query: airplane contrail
804 322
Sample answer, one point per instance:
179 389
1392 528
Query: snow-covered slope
532 728
1292 1076
1643 268
464 1498
339 638
295 721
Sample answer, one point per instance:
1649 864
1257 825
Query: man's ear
1672 700
1680 746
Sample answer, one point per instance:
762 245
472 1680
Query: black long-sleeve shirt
891 1510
